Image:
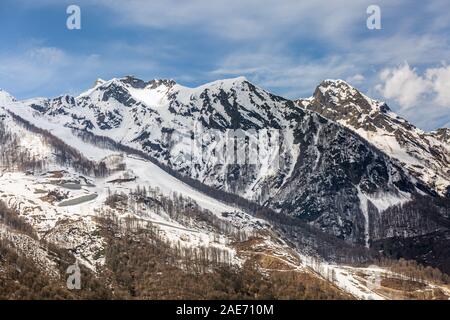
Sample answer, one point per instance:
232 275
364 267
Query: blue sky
285 46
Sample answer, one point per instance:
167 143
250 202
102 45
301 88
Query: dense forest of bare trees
12 157
180 208
414 270
140 264
423 213
22 278
10 218
16 158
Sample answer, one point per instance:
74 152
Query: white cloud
32 68
403 85
411 90
390 49
47 55
440 79
355 79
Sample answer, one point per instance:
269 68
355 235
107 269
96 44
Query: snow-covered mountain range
346 167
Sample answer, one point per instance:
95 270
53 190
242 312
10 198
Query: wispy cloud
404 85
49 69
236 19
32 69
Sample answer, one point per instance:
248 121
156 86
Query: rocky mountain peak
137 83
335 85
155 83
133 82
5 97
343 98
442 134
339 101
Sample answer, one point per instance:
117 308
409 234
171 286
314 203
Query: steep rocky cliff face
426 155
